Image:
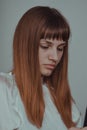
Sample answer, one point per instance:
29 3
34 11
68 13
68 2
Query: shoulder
76 115
5 80
8 102
6 83
8 88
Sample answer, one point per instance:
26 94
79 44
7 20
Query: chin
46 73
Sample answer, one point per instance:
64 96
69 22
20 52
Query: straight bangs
56 29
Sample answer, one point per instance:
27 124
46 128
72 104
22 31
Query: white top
12 113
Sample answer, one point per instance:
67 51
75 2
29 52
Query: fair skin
50 54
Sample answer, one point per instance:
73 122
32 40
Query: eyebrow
50 42
61 44
44 41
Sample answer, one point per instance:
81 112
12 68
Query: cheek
40 59
60 56
42 56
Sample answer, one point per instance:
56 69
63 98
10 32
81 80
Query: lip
50 66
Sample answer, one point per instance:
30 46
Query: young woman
36 94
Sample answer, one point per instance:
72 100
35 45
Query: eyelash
46 47
60 49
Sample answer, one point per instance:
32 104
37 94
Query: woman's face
50 54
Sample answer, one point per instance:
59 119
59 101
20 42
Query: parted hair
37 23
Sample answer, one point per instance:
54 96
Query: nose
53 55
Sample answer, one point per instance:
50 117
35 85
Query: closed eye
60 49
44 47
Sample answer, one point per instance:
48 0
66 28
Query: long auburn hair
41 22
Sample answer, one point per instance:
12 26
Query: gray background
76 13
